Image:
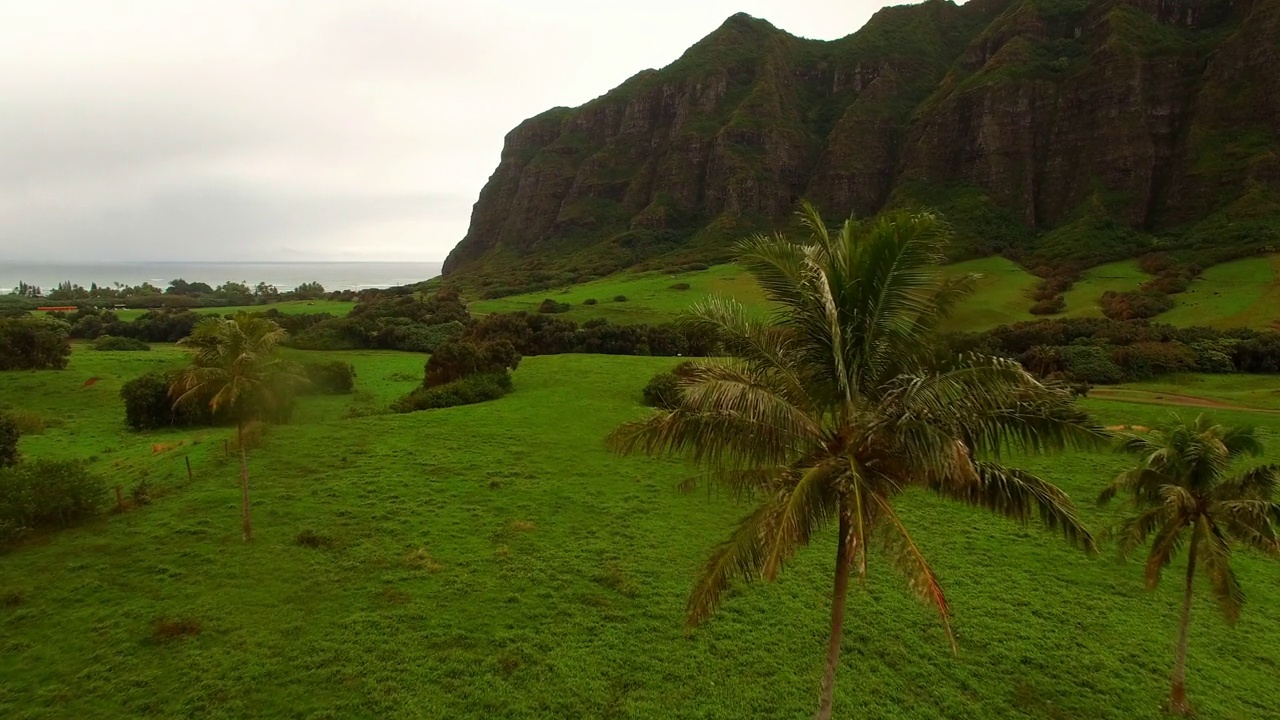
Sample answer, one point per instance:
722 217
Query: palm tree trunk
244 483
1178 696
844 561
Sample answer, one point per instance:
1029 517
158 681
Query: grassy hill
496 561
1239 293
288 307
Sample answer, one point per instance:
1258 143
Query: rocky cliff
1050 130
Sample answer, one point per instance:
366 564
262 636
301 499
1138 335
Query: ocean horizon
283 275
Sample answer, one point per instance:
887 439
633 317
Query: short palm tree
828 410
235 365
1185 495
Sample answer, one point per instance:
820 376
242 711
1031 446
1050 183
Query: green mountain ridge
1052 131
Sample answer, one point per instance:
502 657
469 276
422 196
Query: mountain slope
1051 130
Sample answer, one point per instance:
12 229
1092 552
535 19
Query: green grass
288 307
650 296
1241 293
1244 391
1001 296
496 561
1083 297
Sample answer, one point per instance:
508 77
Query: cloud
275 130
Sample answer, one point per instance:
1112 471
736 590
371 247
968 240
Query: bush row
47 493
538 334
33 343
1101 350
464 391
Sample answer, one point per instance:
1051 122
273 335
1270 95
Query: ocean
283 275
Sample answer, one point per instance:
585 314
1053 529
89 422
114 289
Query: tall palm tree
235 365
1185 495
829 409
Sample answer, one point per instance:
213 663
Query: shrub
680 286
457 359
1148 359
663 391
48 493
148 404
619 298
113 343
330 378
1134 304
33 343
1090 364
9 436
1049 306
590 301
465 391
551 306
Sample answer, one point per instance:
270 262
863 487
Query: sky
277 130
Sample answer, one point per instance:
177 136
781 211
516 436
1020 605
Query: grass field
289 307
1241 293
650 296
1001 296
496 561
1083 297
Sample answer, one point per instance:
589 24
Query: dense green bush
1134 304
619 298
48 493
662 391
1049 306
1090 364
590 301
459 358
465 391
9 436
680 286
111 342
551 306
535 334
334 377
149 406
33 343
398 322
1138 349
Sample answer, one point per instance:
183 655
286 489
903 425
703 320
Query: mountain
1053 131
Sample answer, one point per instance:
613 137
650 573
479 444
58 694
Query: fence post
188 459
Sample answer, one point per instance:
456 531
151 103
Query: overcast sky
306 129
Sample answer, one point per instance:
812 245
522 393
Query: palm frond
806 506
1257 483
1019 495
1165 546
1253 523
738 558
907 559
1133 531
1215 554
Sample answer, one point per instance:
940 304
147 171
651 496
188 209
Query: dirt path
1147 397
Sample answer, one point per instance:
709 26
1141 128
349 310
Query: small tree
234 363
827 412
8 440
1184 496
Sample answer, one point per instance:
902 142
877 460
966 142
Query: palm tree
1184 494
841 400
234 364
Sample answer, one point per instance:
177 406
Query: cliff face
1016 118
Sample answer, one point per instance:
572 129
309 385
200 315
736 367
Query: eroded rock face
1167 109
